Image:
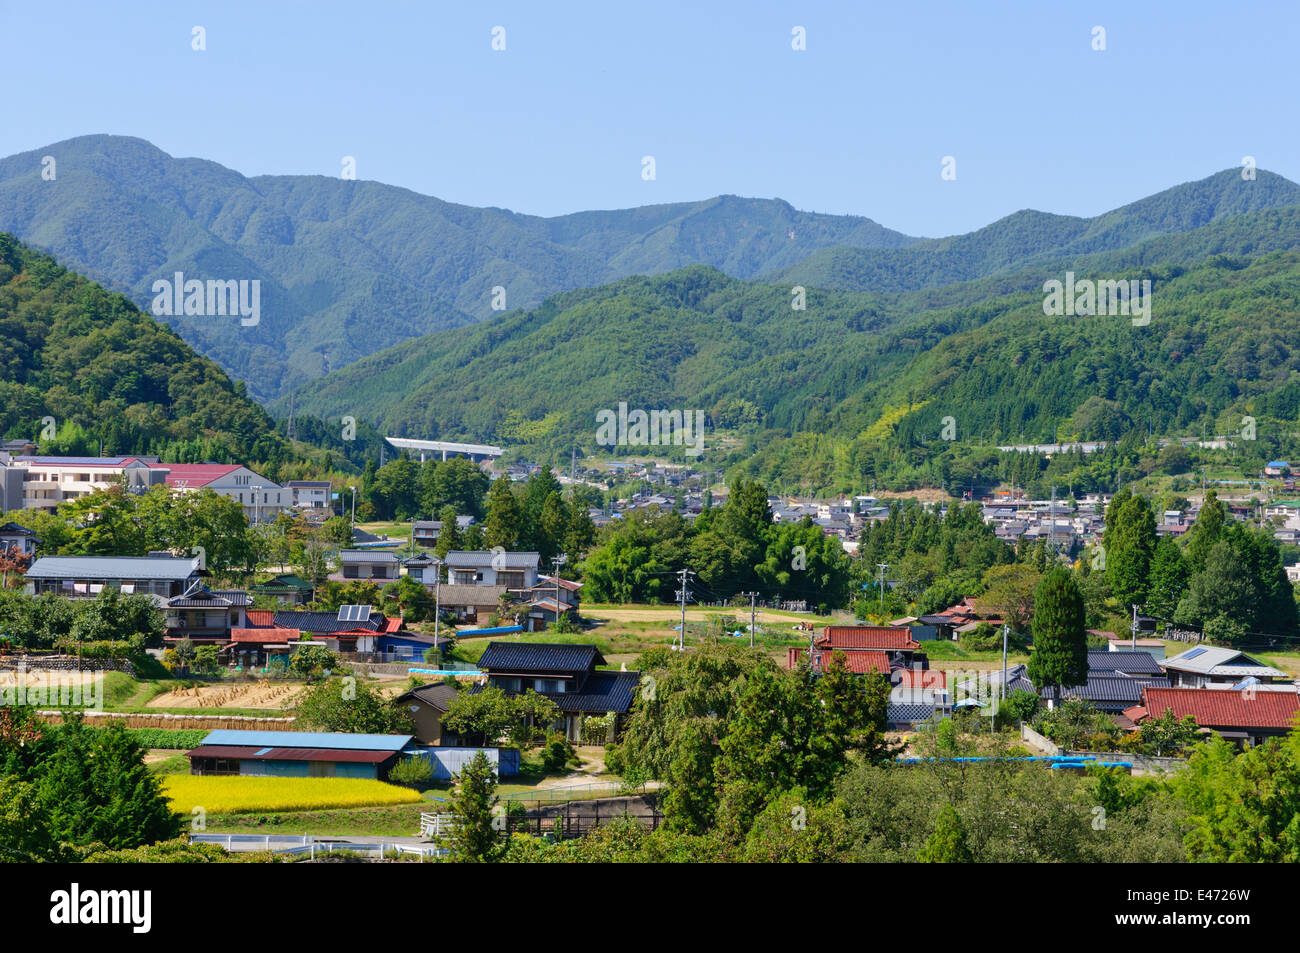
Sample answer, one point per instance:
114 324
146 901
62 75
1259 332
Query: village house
18 540
204 615
1208 666
1245 718
310 495
160 575
567 675
262 499
377 564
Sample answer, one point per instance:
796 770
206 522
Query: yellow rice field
235 795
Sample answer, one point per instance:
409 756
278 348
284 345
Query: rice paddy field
229 795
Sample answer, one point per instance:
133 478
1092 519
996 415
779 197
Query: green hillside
104 371
813 397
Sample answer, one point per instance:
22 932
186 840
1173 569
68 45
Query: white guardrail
310 846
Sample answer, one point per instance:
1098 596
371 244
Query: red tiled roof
263 618
863 663
922 678
1215 708
265 634
194 475
793 656
866 637
391 625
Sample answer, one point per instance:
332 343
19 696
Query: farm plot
227 795
263 694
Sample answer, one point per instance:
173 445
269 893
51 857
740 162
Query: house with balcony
205 616
310 495
160 575
426 532
48 482
483 568
380 565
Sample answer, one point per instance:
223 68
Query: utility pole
437 599
883 567
1005 627
1135 626
354 514
752 597
681 594
557 562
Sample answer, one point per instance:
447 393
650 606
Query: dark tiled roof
1130 662
482 559
325 622
539 657
1111 689
437 696
603 692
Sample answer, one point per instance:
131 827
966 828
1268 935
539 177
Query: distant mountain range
348 268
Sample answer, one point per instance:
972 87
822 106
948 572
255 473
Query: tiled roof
273 636
351 557
862 663
261 617
437 696
539 657
910 714
866 637
482 559
603 692
326 623
920 678
1225 709
1110 688
1130 663
459 595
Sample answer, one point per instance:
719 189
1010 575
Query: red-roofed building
862 663
1241 715
859 637
262 499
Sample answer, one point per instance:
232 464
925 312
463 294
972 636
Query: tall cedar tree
1060 656
473 838
1130 542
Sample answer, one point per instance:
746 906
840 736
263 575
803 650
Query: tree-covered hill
103 370
816 395
349 267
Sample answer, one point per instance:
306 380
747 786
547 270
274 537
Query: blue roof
1278 463
113 567
496 631
339 740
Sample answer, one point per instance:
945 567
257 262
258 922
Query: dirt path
670 615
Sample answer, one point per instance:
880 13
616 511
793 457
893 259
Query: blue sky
559 121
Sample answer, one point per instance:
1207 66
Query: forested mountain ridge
837 393
349 267
1029 237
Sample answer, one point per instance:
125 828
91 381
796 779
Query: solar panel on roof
1193 653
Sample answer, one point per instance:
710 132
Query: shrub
558 754
411 772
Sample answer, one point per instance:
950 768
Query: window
508 683
548 685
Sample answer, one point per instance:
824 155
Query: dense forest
105 372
